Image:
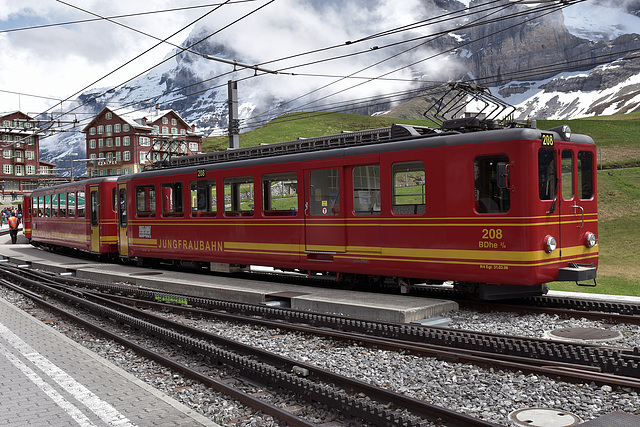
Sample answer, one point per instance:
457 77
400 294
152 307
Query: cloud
290 27
57 61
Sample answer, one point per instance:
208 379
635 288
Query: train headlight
564 131
550 244
590 239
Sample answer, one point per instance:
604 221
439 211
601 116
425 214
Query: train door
123 237
94 212
548 191
27 213
578 205
324 215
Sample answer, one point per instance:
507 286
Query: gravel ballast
487 394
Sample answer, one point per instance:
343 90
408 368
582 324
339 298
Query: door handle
575 209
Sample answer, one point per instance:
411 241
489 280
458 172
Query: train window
408 188
122 211
489 196
547 179
63 205
203 198
585 174
95 218
54 206
324 192
280 194
47 206
71 205
146 201
81 204
238 196
567 175
40 206
172 200
366 190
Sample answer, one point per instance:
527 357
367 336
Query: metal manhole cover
585 334
543 417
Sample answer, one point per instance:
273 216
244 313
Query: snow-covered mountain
557 53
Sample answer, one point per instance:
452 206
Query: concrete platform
393 308
49 380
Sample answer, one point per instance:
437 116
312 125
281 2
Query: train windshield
547 178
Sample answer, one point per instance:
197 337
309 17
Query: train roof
83 182
372 141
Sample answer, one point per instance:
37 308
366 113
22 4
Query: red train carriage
79 215
499 212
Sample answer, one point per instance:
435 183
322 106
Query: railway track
568 361
370 404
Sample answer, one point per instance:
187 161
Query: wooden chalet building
125 142
21 168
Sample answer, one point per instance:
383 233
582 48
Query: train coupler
577 273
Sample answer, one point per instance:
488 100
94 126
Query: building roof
139 119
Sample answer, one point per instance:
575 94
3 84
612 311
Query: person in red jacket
13 227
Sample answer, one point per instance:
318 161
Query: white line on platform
102 409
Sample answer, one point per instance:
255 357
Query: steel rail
365 410
434 342
220 387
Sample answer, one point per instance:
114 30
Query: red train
78 214
498 212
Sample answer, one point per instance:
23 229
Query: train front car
567 195
535 207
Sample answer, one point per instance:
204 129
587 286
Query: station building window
203 198
146 201
409 188
238 196
172 197
280 194
490 197
366 190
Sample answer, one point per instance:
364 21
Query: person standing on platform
13 227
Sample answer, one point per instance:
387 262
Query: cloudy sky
57 61
46 56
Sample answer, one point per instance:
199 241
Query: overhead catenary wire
547 9
128 15
173 100
134 77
